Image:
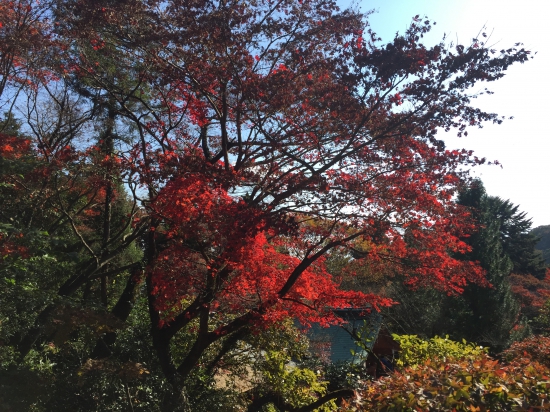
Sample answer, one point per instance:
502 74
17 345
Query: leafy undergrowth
470 383
536 348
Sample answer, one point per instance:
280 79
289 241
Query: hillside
544 244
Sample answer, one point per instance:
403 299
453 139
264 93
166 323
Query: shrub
415 350
535 348
443 375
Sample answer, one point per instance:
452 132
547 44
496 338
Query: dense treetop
210 155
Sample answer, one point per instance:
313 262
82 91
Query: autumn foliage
480 384
531 292
219 152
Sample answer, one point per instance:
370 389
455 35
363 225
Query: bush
535 347
467 385
442 375
415 351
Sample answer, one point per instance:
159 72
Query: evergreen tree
486 315
246 121
517 240
502 245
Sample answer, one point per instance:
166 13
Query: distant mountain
543 232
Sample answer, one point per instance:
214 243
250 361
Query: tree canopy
199 160
493 315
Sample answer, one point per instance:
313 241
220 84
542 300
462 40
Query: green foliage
419 312
273 359
61 376
27 283
416 351
10 125
479 308
296 385
342 375
518 243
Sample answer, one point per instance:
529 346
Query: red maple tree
267 135
531 292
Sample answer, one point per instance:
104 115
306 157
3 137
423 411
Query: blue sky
521 145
